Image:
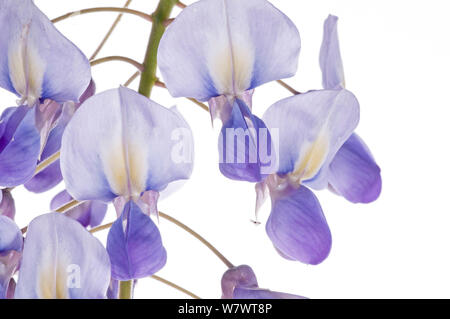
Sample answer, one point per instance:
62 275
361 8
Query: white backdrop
396 60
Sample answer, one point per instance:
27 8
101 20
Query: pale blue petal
119 143
217 47
237 277
7 205
10 235
330 56
311 128
298 228
19 156
36 60
354 173
62 260
134 245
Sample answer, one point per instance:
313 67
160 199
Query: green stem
125 288
148 76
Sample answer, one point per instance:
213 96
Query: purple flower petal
245 146
217 47
298 228
354 173
330 56
119 143
311 128
89 213
134 245
36 60
20 151
10 235
237 277
7 205
61 259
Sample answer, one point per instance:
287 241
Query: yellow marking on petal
222 69
137 167
311 161
53 282
26 68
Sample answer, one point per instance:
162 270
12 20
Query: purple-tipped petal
89 213
36 60
10 235
354 173
134 245
19 153
217 47
330 56
119 143
7 205
256 293
62 260
298 228
237 277
245 146
311 128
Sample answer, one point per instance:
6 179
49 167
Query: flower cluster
121 147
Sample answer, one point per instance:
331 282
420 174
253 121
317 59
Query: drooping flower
119 146
311 127
240 283
219 51
38 64
62 260
11 242
88 213
354 173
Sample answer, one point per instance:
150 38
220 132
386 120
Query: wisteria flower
7 204
240 283
62 260
38 64
354 173
122 146
11 242
312 127
219 51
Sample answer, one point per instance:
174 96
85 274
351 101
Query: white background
396 59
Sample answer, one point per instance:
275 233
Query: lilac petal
237 277
10 120
7 205
61 259
134 245
19 156
119 143
311 128
113 289
10 235
9 262
217 47
298 228
245 146
47 115
51 175
89 213
354 173
330 56
36 60
256 293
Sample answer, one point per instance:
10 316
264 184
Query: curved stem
103 9
101 227
110 31
181 5
132 78
171 284
73 203
288 87
148 76
139 66
46 163
200 238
